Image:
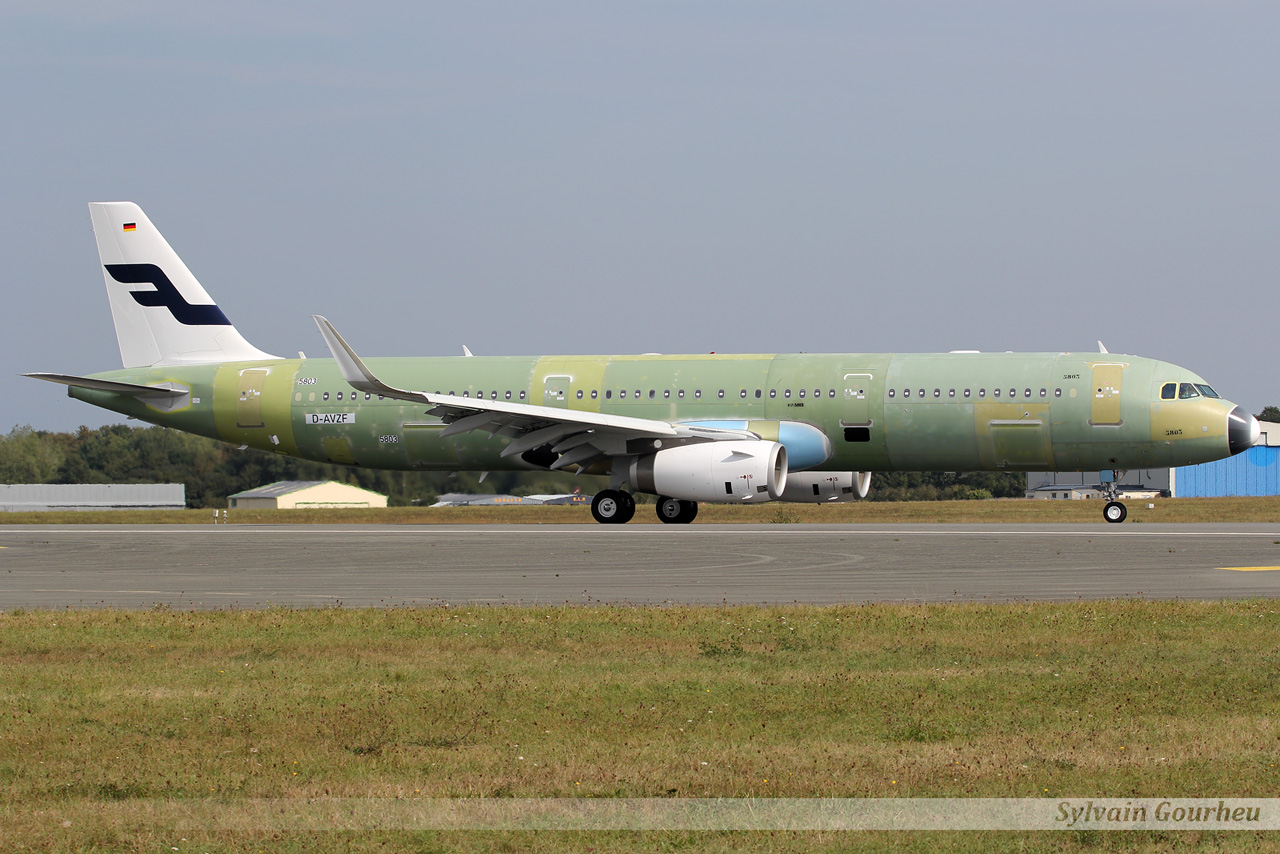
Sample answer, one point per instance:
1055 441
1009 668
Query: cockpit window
1206 390
1186 391
1168 391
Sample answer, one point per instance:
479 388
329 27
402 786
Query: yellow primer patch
1251 568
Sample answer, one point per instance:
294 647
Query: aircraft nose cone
1242 430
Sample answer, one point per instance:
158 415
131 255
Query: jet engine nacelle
826 487
716 472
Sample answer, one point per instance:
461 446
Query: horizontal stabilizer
132 389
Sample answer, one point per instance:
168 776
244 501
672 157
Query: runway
225 566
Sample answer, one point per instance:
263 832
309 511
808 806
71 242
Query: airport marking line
1251 568
639 531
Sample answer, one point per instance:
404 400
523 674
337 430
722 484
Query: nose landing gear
1113 511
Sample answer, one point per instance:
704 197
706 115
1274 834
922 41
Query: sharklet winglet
353 368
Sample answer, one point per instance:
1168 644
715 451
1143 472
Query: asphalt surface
240 566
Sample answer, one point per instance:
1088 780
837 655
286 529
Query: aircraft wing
578 437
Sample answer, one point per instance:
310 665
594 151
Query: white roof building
92 496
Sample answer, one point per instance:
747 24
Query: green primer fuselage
881 412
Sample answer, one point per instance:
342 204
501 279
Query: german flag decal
130 226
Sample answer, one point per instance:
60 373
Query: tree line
212 470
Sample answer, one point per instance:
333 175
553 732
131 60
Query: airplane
689 429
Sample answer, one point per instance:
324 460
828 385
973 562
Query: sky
586 177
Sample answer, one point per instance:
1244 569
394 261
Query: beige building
305 494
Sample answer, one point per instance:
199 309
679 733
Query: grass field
1177 510
107 716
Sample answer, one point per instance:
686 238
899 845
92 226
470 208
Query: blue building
1255 472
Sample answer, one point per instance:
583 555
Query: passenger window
652 394
579 394
773 393
995 392
966 392
339 395
787 393
367 395
622 393
1057 392
801 392
922 392
720 394
522 395
1168 391
666 394
1013 392
906 392
743 394
637 394
891 393
1186 391
594 394
1044 392
759 393
982 392
608 394
697 394
1026 392
680 394
326 395
817 392
831 393
937 392
951 392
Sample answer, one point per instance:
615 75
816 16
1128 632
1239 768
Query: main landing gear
613 507
1113 510
676 512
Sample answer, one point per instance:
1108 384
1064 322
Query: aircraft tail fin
163 316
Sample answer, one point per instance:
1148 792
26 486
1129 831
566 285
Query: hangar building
304 495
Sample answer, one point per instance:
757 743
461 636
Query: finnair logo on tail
165 294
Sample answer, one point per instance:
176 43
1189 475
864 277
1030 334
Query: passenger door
1107 377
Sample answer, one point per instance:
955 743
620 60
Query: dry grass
1001 511
105 714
